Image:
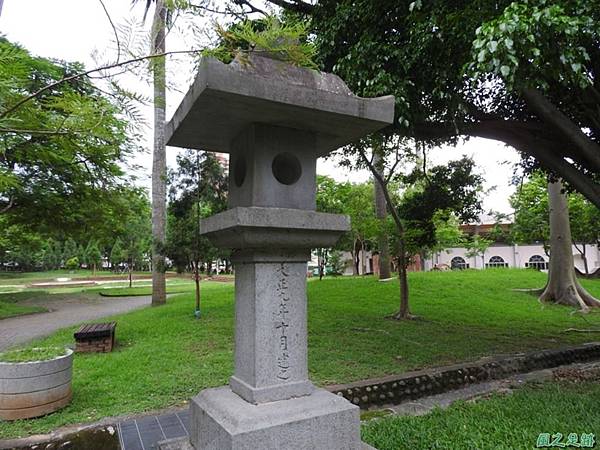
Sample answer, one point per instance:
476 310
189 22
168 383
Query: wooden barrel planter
32 389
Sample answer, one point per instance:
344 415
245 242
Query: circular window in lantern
286 168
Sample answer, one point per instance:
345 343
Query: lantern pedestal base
222 420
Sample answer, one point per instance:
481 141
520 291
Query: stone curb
394 390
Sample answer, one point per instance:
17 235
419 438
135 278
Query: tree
198 188
530 204
332 197
437 194
64 150
133 230
336 262
61 148
562 286
476 246
93 257
447 231
585 225
531 224
454 188
159 158
117 254
451 189
20 248
536 62
381 212
51 254
70 249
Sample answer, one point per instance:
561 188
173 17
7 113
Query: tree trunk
583 253
363 262
159 163
563 286
422 257
404 311
381 214
356 256
130 274
320 262
354 264
197 281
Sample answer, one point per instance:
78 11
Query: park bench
95 337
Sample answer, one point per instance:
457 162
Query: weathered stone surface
270 340
221 420
226 98
273 166
180 443
183 443
259 228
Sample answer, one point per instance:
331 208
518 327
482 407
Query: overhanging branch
535 139
587 149
294 5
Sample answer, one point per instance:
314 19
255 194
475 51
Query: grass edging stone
394 390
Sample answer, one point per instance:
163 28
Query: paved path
64 310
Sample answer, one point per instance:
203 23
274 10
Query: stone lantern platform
275 120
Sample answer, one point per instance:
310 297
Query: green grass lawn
172 288
13 309
10 307
500 422
164 355
10 297
32 277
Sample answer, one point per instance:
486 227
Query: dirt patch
580 374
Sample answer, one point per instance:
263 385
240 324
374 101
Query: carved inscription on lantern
282 323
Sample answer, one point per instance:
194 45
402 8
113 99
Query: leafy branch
76 76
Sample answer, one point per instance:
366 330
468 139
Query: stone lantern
274 120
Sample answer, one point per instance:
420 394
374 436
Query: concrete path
64 310
474 391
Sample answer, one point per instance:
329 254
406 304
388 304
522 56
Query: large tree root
563 286
573 294
403 316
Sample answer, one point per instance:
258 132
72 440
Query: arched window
537 262
458 263
496 261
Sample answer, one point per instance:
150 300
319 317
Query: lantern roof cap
226 98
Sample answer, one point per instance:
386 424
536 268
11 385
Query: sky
74 30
